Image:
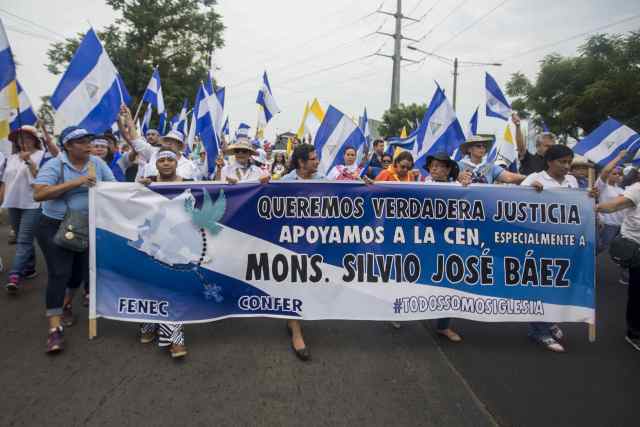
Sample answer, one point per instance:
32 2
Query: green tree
46 113
574 94
394 119
178 36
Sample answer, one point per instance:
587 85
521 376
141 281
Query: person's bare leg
297 340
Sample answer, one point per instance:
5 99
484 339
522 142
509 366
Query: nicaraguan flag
606 141
179 121
243 130
91 91
216 103
266 101
440 130
225 128
337 131
27 115
473 124
153 95
146 119
204 128
497 104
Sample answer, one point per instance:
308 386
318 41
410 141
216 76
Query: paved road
241 372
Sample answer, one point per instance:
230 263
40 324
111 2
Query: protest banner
198 252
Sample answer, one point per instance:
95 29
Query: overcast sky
302 43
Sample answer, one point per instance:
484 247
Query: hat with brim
476 139
174 135
73 133
240 144
444 157
29 130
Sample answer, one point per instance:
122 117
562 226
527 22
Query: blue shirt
485 173
76 199
293 176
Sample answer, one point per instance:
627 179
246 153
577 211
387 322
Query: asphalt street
242 372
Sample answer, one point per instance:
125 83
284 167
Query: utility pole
455 81
397 50
456 63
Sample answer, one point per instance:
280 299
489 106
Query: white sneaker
556 332
552 345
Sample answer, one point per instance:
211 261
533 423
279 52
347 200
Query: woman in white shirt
608 185
21 169
557 161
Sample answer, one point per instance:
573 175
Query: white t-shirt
2 164
17 180
631 223
429 181
607 193
242 174
548 182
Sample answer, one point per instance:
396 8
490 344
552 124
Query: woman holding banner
401 170
170 335
557 160
349 171
303 166
63 185
474 164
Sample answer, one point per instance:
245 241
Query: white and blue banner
200 252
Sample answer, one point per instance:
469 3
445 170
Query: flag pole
592 326
135 117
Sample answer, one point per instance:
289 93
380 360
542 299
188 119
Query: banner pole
592 326
93 321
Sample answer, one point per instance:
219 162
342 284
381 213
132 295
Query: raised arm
604 175
130 134
51 146
615 205
520 145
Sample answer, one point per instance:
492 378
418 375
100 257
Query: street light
455 63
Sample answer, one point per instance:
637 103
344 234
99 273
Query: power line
458 6
424 15
586 33
468 27
29 33
33 23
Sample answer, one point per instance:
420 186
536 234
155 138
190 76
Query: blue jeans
605 235
539 330
24 222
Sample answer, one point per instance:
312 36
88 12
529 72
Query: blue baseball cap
73 132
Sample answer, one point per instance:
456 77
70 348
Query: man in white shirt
630 229
241 169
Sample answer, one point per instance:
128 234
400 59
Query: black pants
66 269
633 304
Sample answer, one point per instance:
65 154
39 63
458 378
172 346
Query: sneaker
68 319
29 274
556 332
635 342
12 238
396 325
14 284
147 337
178 351
55 341
450 334
551 344
623 281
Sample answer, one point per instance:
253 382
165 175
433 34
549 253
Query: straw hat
475 139
240 144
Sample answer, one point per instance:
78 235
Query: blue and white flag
440 130
204 128
497 104
473 124
146 119
225 128
27 115
337 132
179 121
243 131
266 101
153 95
606 141
216 99
91 91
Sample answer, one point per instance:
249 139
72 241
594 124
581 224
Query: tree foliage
394 119
46 113
573 94
176 35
